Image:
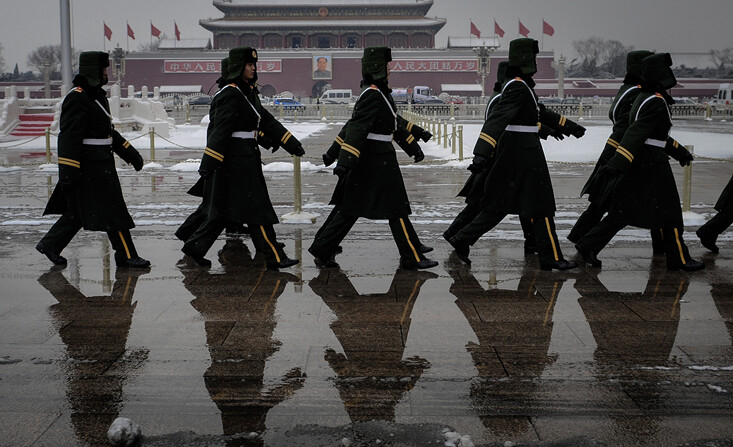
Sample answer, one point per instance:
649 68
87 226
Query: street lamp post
483 52
118 56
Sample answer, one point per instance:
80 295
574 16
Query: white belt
379 137
97 141
525 129
245 135
657 143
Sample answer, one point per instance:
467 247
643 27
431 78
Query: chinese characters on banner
428 65
214 67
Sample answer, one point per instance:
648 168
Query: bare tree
722 57
46 55
2 60
598 57
151 46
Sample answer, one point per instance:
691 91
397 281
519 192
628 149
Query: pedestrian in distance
709 232
370 182
88 194
645 194
519 181
234 185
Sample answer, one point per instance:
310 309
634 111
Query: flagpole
542 39
127 32
151 35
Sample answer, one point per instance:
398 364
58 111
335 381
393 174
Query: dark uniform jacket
519 182
235 186
88 179
646 196
374 187
725 201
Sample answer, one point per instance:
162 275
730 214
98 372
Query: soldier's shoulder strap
649 98
518 79
619 99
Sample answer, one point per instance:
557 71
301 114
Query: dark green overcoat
235 188
725 201
87 175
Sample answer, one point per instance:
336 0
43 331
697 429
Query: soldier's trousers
547 244
64 230
675 248
338 225
263 238
194 221
593 215
470 212
717 224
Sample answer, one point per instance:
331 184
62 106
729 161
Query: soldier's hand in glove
609 171
556 134
138 162
685 158
578 131
299 151
328 159
425 136
340 171
479 164
419 156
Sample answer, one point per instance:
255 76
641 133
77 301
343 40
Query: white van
725 95
336 96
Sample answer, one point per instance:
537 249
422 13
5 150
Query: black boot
133 263
412 264
52 256
424 249
461 248
559 265
323 260
283 264
200 260
588 255
691 266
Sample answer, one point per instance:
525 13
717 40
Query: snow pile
123 433
455 439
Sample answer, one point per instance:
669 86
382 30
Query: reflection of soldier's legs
204 237
587 220
463 218
265 242
61 233
122 244
548 246
406 238
332 234
484 221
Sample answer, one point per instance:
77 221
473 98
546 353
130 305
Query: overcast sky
673 26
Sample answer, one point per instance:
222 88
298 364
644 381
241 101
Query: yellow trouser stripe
488 139
679 246
409 242
410 139
212 153
124 244
126 144
351 149
286 137
613 143
272 247
625 153
552 239
69 162
563 120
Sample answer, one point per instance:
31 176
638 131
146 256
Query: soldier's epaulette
659 95
373 87
77 89
232 85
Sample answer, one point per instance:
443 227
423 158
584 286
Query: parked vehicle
336 96
416 95
200 100
723 99
288 104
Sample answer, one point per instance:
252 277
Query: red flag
475 30
547 29
155 32
107 32
130 33
498 30
523 30
178 33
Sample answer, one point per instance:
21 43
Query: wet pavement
368 354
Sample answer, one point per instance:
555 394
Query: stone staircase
33 124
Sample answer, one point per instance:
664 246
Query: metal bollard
152 144
453 139
445 134
188 113
281 112
580 111
48 145
297 189
460 143
687 183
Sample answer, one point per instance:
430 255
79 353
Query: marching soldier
709 232
519 182
234 185
88 194
645 194
370 182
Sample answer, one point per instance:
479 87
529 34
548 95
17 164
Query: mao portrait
322 67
